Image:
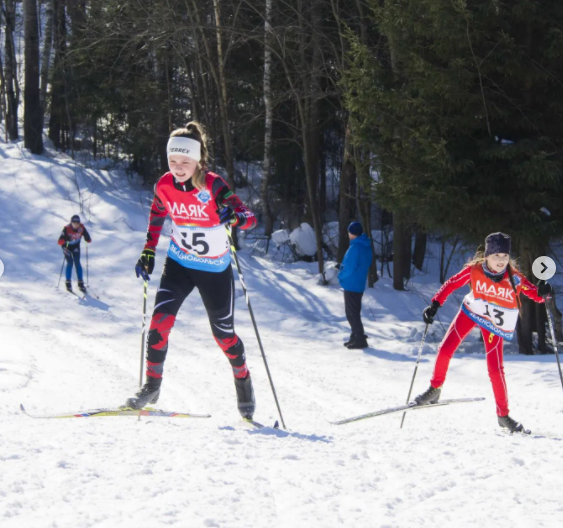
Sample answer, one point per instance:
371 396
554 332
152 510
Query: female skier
199 203
70 242
493 303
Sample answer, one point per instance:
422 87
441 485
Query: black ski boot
432 395
245 397
148 393
351 338
512 425
358 342
81 286
68 285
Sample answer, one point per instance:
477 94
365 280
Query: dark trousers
353 305
73 256
217 293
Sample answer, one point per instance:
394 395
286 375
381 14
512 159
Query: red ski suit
493 307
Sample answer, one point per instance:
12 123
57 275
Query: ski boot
245 397
148 393
68 285
81 287
346 343
512 425
358 342
432 395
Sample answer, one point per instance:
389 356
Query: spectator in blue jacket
352 277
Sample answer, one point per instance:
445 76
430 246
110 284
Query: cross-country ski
402 408
125 411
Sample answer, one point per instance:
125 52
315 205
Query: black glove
429 312
145 264
544 289
228 216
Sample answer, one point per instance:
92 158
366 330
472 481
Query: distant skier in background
200 204
493 304
70 241
352 277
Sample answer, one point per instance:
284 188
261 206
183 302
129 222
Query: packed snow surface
448 466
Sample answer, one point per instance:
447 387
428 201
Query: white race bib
206 242
502 318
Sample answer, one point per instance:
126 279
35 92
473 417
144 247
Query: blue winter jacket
355 266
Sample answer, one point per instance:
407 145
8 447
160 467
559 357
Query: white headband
184 146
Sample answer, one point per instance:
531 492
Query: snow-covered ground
447 467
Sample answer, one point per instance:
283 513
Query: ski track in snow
448 466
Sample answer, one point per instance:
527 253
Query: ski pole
143 332
143 339
233 249
87 276
554 342
61 273
415 369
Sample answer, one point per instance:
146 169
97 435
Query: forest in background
434 117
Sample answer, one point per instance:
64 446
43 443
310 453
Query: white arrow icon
543 268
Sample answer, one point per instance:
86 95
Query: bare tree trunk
46 55
10 74
365 212
308 105
223 102
363 197
3 113
399 250
322 177
264 186
33 122
419 249
347 193
58 95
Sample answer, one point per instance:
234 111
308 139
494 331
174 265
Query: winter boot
358 342
148 393
349 340
245 397
68 285
512 425
81 286
432 395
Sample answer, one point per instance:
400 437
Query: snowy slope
447 467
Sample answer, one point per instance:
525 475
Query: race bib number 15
204 242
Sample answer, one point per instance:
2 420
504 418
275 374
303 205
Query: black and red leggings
217 293
457 332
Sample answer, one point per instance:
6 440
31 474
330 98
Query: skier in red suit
200 204
493 304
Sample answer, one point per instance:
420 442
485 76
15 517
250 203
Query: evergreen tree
462 105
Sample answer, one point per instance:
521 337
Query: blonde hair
195 130
479 258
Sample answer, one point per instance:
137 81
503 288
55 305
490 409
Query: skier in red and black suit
200 204
70 242
493 304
